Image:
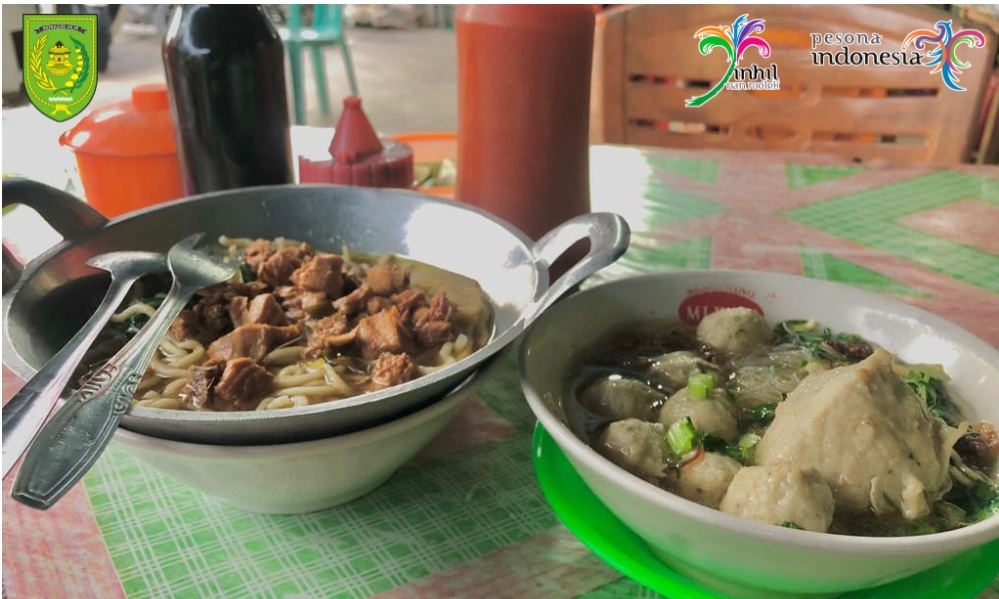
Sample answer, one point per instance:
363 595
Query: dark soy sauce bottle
225 73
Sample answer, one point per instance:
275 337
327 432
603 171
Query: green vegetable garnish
745 449
700 385
246 273
682 438
791 525
838 348
713 443
794 327
930 388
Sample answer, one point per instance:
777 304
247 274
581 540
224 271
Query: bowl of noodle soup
769 435
458 286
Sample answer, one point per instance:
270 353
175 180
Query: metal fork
69 444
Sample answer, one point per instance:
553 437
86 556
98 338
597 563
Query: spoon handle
26 412
70 443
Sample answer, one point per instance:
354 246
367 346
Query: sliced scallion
682 438
745 449
246 273
700 385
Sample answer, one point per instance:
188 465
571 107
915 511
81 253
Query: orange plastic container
432 147
127 153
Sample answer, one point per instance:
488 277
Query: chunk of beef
224 292
238 307
277 270
197 392
257 253
353 276
263 309
383 332
434 324
391 369
386 279
243 384
353 302
409 301
335 324
185 326
252 341
214 320
378 303
321 273
203 323
322 329
297 302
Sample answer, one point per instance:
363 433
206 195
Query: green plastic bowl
963 577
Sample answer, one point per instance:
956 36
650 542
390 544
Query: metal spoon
75 437
26 412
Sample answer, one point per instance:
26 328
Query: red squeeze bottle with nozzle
523 111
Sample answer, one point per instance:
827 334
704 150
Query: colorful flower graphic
943 53
735 40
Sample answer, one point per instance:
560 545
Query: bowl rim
499 339
575 449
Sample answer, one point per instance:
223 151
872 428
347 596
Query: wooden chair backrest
647 64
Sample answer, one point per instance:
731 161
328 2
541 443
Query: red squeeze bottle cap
358 156
354 132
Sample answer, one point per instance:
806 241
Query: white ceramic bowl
295 478
724 552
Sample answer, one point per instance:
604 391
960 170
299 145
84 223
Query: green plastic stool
326 30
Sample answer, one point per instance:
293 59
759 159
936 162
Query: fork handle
26 412
70 443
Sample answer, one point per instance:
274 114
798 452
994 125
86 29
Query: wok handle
67 214
608 234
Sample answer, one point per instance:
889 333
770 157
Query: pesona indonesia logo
943 44
936 48
735 40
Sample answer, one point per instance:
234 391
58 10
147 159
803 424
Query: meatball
636 446
706 479
715 415
620 398
673 369
781 494
867 434
734 331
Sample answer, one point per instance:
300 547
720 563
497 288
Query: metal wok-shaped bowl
56 293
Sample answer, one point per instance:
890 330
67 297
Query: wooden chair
647 65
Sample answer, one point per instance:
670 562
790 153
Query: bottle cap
354 132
